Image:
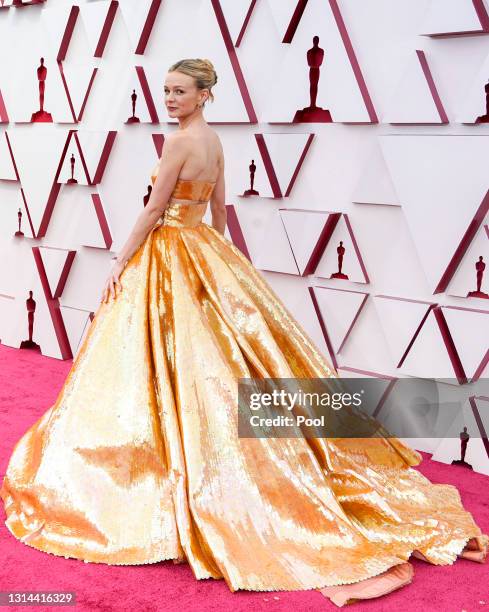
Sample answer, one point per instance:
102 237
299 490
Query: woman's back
205 155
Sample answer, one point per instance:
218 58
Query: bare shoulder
177 140
218 145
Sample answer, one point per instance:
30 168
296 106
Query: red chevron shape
52 299
475 402
148 27
102 219
102 160
233 58
4 118
235 230
463 245
270 169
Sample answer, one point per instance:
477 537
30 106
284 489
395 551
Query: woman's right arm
218 206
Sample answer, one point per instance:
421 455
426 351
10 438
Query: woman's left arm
175 151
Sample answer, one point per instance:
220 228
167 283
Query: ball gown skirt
139 459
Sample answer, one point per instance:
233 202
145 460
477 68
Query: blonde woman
139 460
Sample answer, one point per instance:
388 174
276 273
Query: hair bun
210 65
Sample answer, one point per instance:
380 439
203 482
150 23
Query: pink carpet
29 384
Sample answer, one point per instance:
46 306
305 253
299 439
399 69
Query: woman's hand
113 282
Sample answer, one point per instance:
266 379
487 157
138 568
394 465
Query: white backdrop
402 170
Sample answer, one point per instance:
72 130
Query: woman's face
182 94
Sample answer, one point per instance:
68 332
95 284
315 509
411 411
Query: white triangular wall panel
303 230
78 76
467 328
86 281
375 185
450 16
339 309
135 15
276 254
399 318
235 14
37 153
366 348
7 170
428 356
73 220
281 13
285 151
92 144
412 100
54 260
441 182
54 20
76 322
77 347
94 16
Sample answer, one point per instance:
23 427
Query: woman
139 459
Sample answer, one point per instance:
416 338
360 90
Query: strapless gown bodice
187 203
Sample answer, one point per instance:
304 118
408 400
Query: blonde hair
202 70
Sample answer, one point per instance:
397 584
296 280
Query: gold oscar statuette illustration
480 266
341 252
31 307
485 118
41 116
72 180
251 190
19 232
464 440
133 118
313 113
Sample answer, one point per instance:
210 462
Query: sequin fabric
139 459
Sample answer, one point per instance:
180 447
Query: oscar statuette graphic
464 440
41 116
251 190
19 232
31 307
341 252
133 118
485 118
72 180
480 266
313 113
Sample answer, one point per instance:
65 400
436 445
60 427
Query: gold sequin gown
139 459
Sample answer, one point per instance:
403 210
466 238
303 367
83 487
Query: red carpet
29 384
